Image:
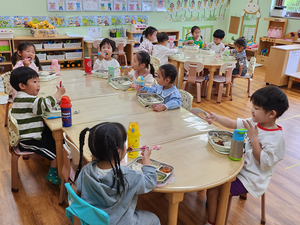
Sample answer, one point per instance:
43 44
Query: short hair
219 34
271 98
21 75
168 70
109 42
161 37
241 42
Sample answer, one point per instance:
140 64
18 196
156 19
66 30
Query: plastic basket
51 57
4 48
41 56
49 46
73 55
38 46
40 33
46 68
72 45
6 33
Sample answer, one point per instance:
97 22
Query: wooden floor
37 201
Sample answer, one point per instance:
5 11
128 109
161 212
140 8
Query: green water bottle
111 72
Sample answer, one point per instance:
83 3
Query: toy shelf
60 38
7 54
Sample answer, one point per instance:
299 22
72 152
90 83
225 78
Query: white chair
186 99
96 45
8 89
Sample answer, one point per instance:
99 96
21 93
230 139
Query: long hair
22 47
144 57
149 31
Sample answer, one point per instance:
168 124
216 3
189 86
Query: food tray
214 135
150 99
49 77
100 73
165 176
56 111
121 82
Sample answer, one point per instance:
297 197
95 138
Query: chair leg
228 208
204 86
198 92
263 209
249 87
220 92
183 87
14 172
62 193
6 114
125 60
231 91
243 196
216 88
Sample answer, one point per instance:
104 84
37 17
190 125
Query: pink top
147 46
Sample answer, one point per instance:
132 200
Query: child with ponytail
107 185
150 36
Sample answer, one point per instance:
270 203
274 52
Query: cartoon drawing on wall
127 20
178 5
52 5
116 20
73 5
160 5
123 6
138 7
90 5
78 5
251 8
185 5
74 21
57 21
171 10
89 20
70 6
105 5
61 5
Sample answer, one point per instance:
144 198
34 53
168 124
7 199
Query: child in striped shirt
27 109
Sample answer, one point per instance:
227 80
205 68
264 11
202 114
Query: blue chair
80 212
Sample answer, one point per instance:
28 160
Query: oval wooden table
211 62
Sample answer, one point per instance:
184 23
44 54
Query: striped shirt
27 110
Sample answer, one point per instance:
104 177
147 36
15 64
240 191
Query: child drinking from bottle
105 50
264 145
196 37
107 185
150 36
166 88
28 109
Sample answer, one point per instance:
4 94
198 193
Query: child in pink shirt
150 35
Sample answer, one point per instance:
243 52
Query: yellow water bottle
134 134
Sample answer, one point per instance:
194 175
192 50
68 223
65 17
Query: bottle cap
65 102
239 134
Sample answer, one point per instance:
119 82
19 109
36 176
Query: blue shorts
236 71
237 188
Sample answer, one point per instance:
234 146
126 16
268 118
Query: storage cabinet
6 53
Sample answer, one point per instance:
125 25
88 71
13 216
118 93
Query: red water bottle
66 113
88 65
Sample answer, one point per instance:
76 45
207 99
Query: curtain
279 2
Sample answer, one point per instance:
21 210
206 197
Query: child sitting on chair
161 51
217 44
105 50
28 109
264 146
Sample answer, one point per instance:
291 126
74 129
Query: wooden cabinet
6 52
277 63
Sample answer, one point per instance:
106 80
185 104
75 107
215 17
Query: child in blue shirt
166 88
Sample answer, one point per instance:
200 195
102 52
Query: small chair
220 80
121 43
71 161
186 100
192 69
244 197
80 212
8 89
13 136
96 45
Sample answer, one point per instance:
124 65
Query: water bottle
134 134
55 67
226 53
111 72
171 43
237 144
66 113
180 43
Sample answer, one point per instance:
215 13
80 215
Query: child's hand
61 90
26 62
159 108
133 86
102 56
210 117
252 132
191 41
146 156
127 69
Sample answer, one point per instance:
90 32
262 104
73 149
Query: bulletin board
206 32
248 32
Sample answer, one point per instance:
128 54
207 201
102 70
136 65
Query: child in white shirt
106 48
264 146
161 51
217 44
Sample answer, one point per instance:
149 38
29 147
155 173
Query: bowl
191 51
207 51
121 82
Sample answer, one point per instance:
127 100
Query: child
161 50
107 185
217 44
240 45
195 39
141 66
25 56
264 145
150 35
106 48
166 88
27 109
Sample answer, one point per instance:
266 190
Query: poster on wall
89 21
94 31
134 5
6 21
57 21
56 5
116 20
90 5
148 6
105 5
73 5
120 5
20 21
160 5
74 21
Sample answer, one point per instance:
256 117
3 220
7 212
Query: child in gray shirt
240 45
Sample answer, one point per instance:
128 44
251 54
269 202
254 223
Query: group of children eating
104 183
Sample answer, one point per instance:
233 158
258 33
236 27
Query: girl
25 56
141 66
196 38
150 35
240 45
105 184
166 88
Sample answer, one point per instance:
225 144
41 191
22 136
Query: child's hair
241 42
161 37
21 75
22 47
271 98
168 70
149 31
219 34
104 141
109 42
193 30
144 57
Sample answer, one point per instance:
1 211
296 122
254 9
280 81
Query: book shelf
7 54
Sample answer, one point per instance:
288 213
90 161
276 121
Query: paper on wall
73 5
90 5
120 5
106 5
134 5
293 62
56 5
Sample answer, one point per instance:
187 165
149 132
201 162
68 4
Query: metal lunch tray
100 73
116 81
219 148
51 76
144 99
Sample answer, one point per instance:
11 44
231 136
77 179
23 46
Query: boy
264 145
27 109
161 50
106 49
217 44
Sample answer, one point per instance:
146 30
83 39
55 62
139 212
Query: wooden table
209 61
293 77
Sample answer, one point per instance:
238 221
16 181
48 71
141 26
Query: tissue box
278 12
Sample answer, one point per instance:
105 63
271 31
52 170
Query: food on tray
166 169
156 165
150 98
221 139
137 166
160 177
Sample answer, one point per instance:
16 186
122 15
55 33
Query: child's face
153 36
164 43
238 48
161 80
259 115
29 52
32 87
106 48
196 34
217 41
136 64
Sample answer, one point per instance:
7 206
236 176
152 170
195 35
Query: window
292 5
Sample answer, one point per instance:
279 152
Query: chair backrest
192 69
96 44
13 131
186 99
251 66
119 41
87 213
72 150
226 69
8 89
155 63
